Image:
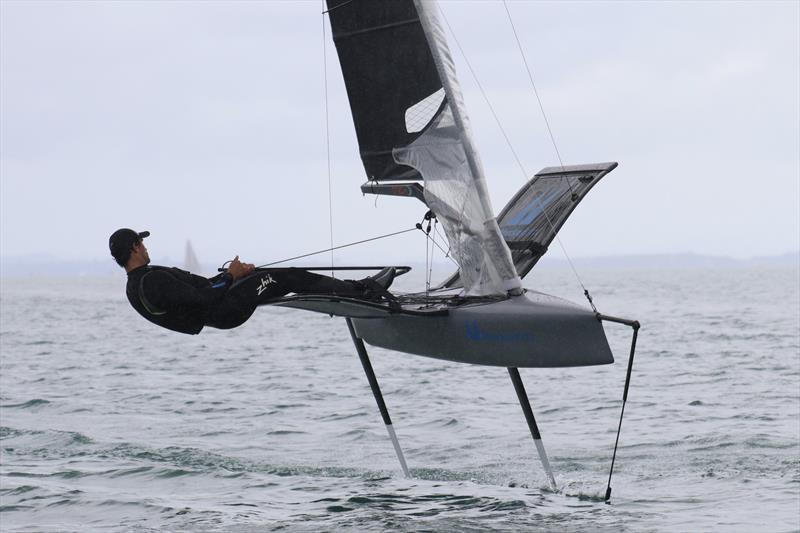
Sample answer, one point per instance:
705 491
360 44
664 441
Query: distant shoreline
39 266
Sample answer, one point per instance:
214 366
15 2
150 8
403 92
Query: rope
430 243
536 93
445 252
444 239
558 153
338 247
533 84
508 141
327 136
483 93
433 243
427 262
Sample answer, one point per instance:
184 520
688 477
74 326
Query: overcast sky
206 121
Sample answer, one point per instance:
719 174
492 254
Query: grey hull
532 330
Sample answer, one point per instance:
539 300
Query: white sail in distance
190 261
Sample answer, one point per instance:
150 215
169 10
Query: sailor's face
141 250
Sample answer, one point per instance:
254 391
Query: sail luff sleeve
484 256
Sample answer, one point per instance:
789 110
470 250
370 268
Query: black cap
121 242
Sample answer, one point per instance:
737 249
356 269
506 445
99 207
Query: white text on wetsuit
266 281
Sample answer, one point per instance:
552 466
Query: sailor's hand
238 270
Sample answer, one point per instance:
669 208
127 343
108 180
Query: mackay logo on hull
475 333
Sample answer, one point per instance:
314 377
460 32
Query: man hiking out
180 301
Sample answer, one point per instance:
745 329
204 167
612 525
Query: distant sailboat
190 261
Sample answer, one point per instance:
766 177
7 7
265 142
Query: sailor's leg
241 300
302 281
537 437
264 286
376 391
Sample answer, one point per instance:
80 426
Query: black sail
411 124
388 68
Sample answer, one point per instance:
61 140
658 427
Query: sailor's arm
168 293
238 270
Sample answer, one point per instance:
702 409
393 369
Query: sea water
108 423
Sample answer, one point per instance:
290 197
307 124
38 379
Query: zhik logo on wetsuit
266 281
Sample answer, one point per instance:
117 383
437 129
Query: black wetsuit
181 301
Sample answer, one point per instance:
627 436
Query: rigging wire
327 135
533 84
328 158
338 247
430 243
427 247
483 93
445 252
555 146
444 239
508 141
433 243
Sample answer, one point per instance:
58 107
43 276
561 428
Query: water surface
108 423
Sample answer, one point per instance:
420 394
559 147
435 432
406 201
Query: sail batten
345 35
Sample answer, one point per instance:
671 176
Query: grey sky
206 120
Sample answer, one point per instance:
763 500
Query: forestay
411 125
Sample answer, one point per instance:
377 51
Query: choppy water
108 423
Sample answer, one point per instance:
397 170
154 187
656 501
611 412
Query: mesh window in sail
420 114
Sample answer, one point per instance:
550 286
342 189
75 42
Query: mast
444 64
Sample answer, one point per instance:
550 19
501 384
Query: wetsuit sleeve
199 282
169 293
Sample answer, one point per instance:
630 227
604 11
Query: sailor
180 301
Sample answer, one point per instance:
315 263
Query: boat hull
532 330
528 331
